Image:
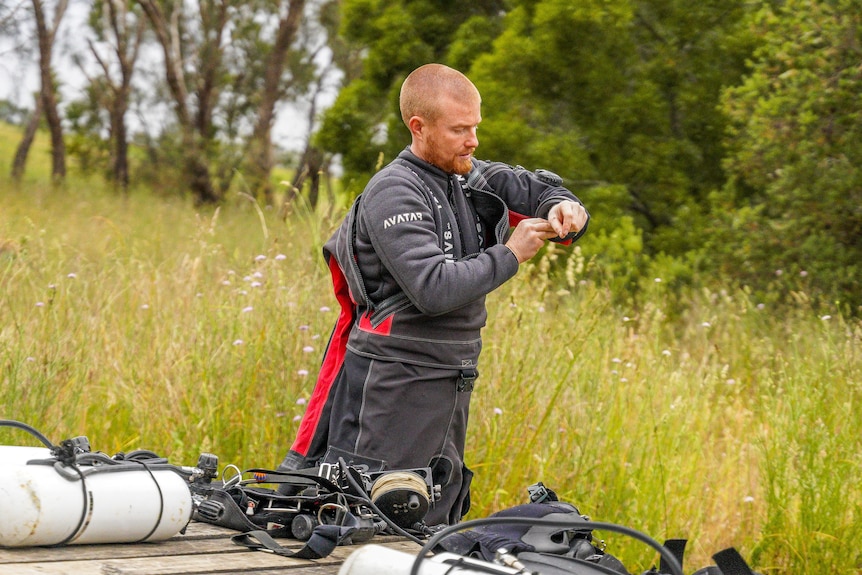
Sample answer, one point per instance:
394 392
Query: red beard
449 164
461 166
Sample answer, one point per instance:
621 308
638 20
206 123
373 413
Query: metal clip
467 379
539 493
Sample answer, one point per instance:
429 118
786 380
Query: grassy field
144 322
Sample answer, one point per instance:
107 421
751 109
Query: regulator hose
32 431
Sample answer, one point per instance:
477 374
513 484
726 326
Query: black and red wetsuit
411 266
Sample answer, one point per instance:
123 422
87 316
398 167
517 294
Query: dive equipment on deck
62 494
307 500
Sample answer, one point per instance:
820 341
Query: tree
46 32
117 26
260 156
19 162
228 69
314 160
10 24
620 93
795 150
199 51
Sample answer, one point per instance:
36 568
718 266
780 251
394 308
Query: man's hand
529 236
566 217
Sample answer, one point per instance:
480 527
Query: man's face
451 140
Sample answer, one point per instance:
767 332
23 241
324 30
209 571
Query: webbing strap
677 548
731 562
324 539
478 179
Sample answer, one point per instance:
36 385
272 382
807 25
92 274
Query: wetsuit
411 266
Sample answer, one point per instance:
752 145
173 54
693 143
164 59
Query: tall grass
730 426
147 323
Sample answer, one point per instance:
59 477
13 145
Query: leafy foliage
717 133
794 199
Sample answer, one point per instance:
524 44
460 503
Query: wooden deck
202 549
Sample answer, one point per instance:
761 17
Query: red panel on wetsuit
385 328
332 362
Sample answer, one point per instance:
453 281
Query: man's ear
416 124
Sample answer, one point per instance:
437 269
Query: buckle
539 493
467 379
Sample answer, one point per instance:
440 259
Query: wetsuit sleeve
525 194
401 226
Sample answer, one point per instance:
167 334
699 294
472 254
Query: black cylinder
302 526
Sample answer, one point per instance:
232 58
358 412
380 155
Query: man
412 264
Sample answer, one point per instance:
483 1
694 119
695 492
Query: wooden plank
120 551
199 530
203 548
199 538
247 561
243 561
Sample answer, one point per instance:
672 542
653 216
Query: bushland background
691 368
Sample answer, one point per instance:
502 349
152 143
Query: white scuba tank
19 455
48 503
379 560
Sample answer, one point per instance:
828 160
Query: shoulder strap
477 179
431 195
344 251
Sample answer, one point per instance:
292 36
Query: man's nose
472 139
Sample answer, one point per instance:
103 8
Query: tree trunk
20 161
198 175
126 51
310 167
315 163
166 29
120 168
259 158
48 93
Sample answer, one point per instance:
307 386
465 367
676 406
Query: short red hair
426 85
